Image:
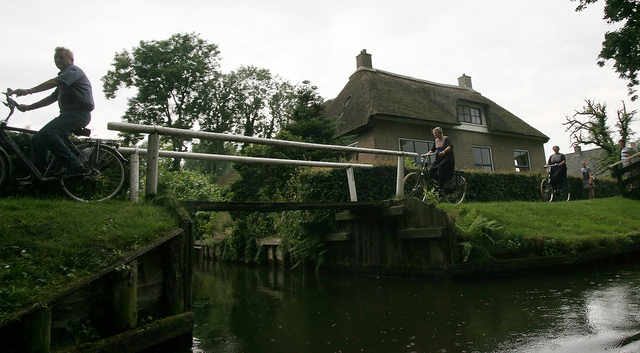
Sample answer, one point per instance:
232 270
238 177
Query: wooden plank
279 206
420 233
141 338
336 237
269 241
396 211
345 216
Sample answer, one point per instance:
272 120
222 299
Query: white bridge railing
153 153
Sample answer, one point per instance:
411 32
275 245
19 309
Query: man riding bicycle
74 95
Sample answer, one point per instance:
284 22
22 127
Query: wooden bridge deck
281 206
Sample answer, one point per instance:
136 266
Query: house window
521 160
469 114
417 146
482 158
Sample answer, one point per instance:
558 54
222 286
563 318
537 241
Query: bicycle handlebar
10 103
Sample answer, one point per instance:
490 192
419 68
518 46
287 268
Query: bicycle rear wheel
5 167
455 190
105 184
415 186
546 190
564 193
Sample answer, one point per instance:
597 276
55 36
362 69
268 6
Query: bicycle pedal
28 178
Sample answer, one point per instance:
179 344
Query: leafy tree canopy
179 84
308 122
623 44
170 76
590 126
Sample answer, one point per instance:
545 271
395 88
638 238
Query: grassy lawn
46 245
569 226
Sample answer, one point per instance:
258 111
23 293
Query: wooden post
134 176
352 185
173 290
35 332
400 178
125 297
153 155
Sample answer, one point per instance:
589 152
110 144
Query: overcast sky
536 59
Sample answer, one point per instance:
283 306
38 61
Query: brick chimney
464 81
364 60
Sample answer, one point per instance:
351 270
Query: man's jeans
49 138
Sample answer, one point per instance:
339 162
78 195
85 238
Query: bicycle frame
419 183
105 167
27 161
556 193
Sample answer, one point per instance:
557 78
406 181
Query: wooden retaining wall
406 237
401 237
141 301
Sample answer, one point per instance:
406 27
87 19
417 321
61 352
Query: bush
374 184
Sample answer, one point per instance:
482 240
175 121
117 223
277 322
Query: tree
173 77
308 122
596 131
249 101
261 101
621 45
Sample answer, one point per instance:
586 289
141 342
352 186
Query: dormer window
470 114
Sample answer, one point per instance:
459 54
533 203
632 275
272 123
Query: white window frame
483 166
471 106
523 168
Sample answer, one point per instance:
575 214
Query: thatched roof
372 92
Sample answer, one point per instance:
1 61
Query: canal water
242 309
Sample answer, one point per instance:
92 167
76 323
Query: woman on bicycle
558 163
442 168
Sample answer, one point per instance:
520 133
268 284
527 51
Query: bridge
153 153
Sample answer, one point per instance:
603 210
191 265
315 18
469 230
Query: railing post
400 178
352 185
152 165
134 176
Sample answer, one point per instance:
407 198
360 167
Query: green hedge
379 183
300 230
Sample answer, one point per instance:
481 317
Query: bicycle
549 193
104 180
419 184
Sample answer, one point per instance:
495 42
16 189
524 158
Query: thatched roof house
390 111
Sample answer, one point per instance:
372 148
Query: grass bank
537 228
46 245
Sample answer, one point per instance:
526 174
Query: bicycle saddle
82 132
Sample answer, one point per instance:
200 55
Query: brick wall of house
387 131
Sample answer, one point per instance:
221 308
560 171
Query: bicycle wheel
546 190
5 168
455 190
105 184
414 186
564 194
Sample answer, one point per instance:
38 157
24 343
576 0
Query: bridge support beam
400 178
352 185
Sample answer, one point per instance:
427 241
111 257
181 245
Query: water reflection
242 309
